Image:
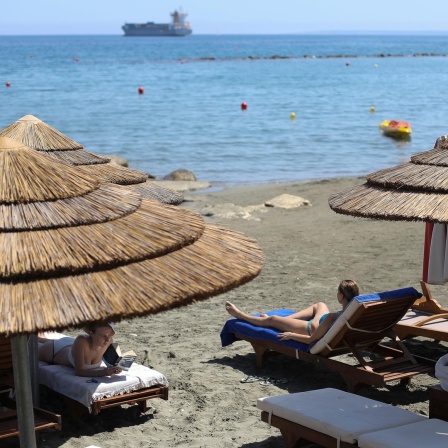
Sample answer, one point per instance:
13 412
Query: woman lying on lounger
306 326
85 353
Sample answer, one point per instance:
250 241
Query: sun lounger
137 385
9 426
418 323
426 318
359 330
430 433
427 303
334 418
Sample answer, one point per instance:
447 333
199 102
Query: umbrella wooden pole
33 350
24 398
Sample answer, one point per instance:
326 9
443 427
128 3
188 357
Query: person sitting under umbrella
305 326
85 353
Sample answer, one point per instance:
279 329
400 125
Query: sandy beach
308 250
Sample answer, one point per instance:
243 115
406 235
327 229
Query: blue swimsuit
308 325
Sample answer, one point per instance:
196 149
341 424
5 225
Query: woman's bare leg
235 312
278 322
311 312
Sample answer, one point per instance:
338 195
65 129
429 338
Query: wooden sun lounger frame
139 397
427 304
370 324
8 419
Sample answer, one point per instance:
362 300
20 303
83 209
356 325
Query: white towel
62 379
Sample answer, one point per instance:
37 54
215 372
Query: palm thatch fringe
77 157
35 179
217 262
153 230
110 172
107 202
436 156
412 177
33 131
150 190
36 134
370 201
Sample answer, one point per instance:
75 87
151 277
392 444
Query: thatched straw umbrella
412 191
38 135
76 250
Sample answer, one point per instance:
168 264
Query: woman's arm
319 333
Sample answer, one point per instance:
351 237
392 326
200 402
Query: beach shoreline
308 250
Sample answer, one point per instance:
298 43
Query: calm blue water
190 115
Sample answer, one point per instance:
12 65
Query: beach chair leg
291 432
260 352
406 381
143 406
353 386
76 410
292 439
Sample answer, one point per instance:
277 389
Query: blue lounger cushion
237 326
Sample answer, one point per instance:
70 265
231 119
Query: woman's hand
112 370
285 336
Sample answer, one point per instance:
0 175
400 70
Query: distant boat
178 27
396 128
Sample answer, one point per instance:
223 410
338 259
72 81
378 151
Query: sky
37 17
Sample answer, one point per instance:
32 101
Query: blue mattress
237 326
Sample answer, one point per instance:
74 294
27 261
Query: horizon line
323 33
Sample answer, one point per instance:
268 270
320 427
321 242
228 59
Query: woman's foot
232 310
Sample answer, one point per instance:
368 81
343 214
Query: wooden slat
130 398
9 426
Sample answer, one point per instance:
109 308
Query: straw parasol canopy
413 191
38 135
75 250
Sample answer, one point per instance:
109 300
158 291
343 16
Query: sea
314 102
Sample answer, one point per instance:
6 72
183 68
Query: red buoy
76 59
8 84
141 90
243 106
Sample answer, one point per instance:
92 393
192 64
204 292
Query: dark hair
349 289
94 326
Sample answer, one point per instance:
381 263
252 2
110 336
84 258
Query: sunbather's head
101 332
348 289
